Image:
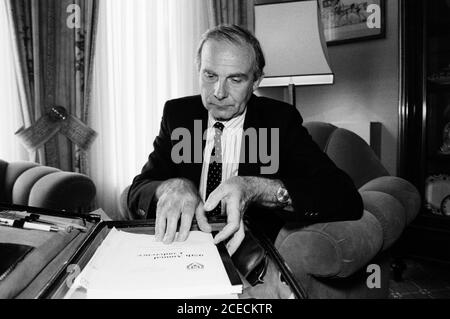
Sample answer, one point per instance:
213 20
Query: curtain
144 56
23 27
239 12
10 115
53 41
85 37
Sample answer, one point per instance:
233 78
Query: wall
366 88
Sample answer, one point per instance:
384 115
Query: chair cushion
348 151
62 190
14 170
26 181
320 132
354 156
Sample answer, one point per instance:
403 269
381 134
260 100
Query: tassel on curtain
239 12
54 56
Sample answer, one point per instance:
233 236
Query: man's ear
257 83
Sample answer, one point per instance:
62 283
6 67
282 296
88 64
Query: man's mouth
218 106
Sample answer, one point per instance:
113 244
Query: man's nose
220 90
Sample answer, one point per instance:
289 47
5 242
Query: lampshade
294 46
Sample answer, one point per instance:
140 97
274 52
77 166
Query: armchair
330 259
31 184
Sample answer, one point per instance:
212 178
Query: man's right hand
178 198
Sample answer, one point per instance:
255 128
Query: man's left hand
235 194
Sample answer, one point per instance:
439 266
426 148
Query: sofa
351 259
31 184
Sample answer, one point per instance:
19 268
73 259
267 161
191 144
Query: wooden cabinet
424 135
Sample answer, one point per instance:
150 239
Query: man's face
226 78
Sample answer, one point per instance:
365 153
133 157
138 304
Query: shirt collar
236 122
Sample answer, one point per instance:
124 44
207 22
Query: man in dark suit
228 170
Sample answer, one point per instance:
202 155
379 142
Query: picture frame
346 21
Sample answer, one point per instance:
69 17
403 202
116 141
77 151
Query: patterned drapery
54 50
239 12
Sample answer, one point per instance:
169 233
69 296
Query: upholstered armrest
334 249
62 190
400 189
339 249
31 184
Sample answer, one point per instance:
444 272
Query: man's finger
233 221
160 224
235 241
226 232
160 221
202 221
186 222
215 197
171 230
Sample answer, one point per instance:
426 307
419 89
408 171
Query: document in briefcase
276 281
75 283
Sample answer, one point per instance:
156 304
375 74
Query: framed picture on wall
347 21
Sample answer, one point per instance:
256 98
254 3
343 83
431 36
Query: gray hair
238 36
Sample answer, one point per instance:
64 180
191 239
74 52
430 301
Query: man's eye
236 80
209 76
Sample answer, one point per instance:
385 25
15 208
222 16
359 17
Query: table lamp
292 39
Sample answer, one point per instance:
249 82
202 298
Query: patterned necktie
215 168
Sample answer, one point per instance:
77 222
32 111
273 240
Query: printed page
136 266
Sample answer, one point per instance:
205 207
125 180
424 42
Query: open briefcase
44 264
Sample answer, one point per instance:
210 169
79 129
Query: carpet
422 279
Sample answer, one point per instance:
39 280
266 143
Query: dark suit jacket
319 190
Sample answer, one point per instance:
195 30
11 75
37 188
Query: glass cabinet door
437 108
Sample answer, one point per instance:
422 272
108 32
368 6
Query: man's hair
238 36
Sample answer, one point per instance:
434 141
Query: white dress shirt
231 149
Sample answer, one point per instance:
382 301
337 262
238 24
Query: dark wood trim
411 92
402 106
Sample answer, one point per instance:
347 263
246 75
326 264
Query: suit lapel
252 121
194 171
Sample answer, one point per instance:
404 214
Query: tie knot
219 126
